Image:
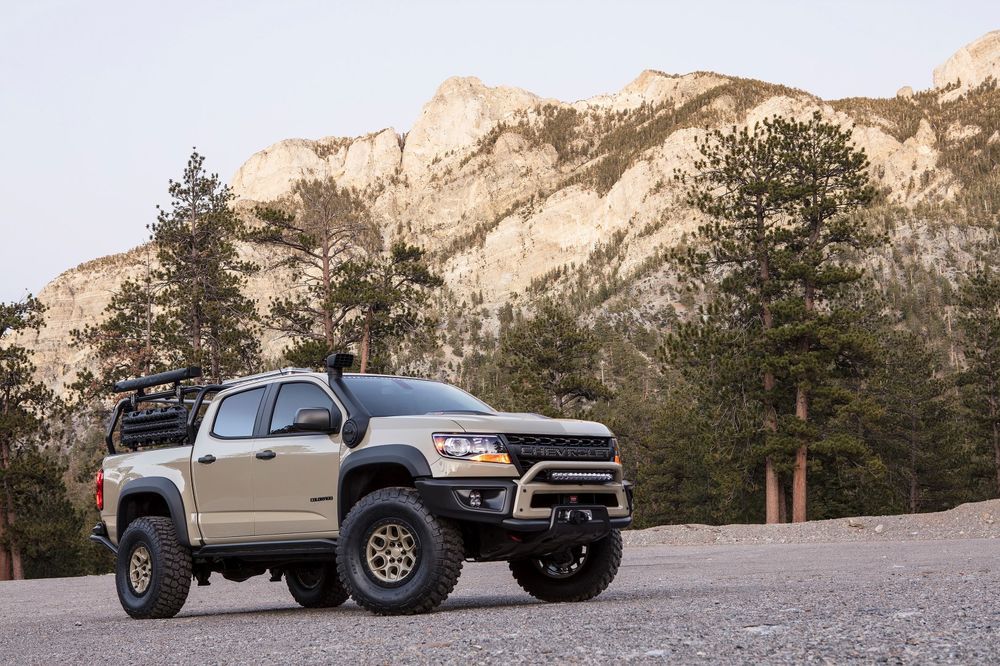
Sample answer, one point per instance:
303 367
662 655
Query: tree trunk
366 333
5 573
914 499
771 493
991 387
16 566
327 315
11 567
4 553
799 471
802 413
782 504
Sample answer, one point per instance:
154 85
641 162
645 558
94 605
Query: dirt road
905 602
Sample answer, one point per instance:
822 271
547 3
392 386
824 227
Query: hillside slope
515 194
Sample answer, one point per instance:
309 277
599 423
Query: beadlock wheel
395 556
575 574
563 565
140 570
391 552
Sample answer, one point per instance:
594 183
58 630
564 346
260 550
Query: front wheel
395 557
153 571
575 574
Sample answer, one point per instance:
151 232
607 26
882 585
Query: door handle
266 454
207 460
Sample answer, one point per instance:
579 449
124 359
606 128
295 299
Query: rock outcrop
507 189
971 65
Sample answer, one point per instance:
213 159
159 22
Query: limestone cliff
510 192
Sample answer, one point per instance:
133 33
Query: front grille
526 450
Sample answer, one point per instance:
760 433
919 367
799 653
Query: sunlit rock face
507 189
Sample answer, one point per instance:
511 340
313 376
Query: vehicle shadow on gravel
465 604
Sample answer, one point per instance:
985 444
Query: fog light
482 499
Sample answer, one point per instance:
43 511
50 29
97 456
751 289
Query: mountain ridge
512 193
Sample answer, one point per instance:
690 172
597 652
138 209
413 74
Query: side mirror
316 419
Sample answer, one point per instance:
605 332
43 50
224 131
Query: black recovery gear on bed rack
168 417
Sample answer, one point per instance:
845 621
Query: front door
221 465
294 474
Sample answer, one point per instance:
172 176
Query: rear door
294 475
222 463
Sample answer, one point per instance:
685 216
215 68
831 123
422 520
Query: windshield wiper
475 412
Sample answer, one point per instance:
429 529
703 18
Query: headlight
478 448
615 451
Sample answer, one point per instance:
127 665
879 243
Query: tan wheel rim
391 553
140 569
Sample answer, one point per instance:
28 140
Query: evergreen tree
23 402
915 429
828 179
549 363
388 292
47 532
316 228
133 339
980 322
742 184
717 359
201 276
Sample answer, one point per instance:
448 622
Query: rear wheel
575 574
153 570
316 585
395 557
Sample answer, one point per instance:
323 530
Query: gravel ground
880 601
978 520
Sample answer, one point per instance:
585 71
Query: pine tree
915 429
316 228
387 292
23 402
827 178
742 184
980 322
48 528
132 339
201 276
549 363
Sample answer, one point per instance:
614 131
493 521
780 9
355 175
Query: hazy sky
101 102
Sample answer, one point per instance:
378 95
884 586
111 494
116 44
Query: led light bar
581 477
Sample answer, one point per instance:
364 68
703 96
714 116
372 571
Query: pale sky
101 102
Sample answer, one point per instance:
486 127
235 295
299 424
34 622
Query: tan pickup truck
373 487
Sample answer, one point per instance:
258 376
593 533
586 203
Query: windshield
397 396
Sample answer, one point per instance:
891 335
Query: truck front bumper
531 516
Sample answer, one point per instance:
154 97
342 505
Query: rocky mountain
515 194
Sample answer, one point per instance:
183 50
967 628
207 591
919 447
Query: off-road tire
438 563
170 577
316 586
595 574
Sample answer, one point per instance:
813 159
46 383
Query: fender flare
404 455
171 496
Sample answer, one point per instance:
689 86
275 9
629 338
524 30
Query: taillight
99 490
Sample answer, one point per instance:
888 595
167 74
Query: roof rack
270 373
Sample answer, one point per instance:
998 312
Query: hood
528 424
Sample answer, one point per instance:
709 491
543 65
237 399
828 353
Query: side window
237 414
292 397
